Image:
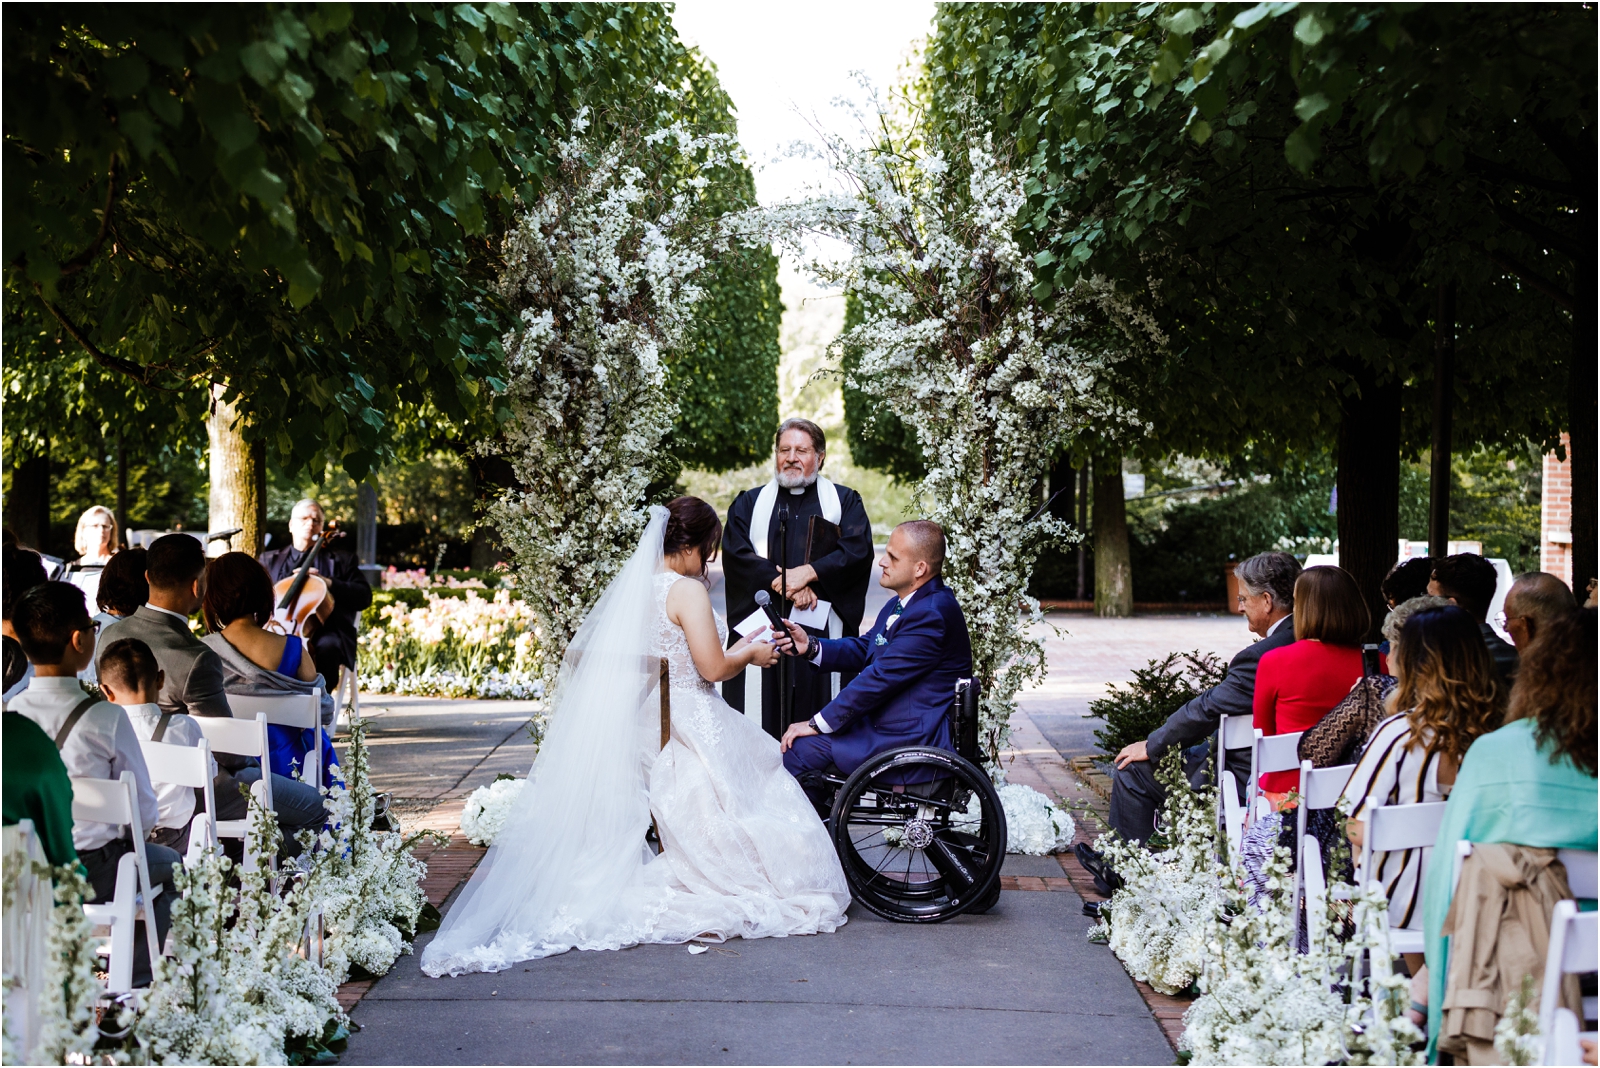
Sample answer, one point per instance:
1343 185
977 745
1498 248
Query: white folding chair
296 711
190 766
1233 732
1395 827
1583 871
24 946
115 801
1319 789
1271 752
1574 947
241 737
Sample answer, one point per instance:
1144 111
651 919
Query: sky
786 63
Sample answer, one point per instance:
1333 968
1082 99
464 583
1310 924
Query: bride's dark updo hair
692 524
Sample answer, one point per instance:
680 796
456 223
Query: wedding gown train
743 852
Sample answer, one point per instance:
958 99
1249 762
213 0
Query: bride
743 852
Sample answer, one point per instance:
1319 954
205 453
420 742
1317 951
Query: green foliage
878 439
1280 289
299 201
1495 498
726 377
1134 709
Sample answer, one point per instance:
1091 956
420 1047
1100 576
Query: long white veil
563 873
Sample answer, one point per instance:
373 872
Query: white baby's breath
485 812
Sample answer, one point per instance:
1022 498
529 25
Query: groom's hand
797 730
798 642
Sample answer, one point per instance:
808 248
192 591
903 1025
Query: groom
908 664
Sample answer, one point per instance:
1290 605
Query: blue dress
290 746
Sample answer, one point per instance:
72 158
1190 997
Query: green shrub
1133 710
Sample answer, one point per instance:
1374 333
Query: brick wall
1555 516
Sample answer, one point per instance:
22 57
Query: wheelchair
920 831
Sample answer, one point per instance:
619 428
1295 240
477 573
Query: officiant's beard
791 480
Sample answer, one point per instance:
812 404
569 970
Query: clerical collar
798 490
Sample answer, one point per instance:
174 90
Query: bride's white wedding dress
743 852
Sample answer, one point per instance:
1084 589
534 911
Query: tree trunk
122 489
1083 525
366 523
238 495
1113 570
1581 424
1444 395
1369 488
28 506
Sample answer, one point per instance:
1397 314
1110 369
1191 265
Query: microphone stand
785 669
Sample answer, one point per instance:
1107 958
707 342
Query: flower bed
449 641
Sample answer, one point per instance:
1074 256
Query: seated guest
334 643
1341 736
1407 579
1469 580
96 542
130 677
175 568
1266 593
23 570
1298 684
238 602
1449 696
95 740
1534 600
121 591
36 787
1531 783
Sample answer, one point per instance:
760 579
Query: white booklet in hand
815 617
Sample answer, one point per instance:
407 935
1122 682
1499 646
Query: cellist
333 642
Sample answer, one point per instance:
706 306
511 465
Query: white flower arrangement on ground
485 812
1033 824
472 646
368 883
67 1028
1158 922
956 341
602 271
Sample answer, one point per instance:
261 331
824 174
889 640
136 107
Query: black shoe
1106 881
1092 909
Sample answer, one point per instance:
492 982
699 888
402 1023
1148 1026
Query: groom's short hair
927 540
819 440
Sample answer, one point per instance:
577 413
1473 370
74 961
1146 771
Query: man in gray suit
175 567
1266 592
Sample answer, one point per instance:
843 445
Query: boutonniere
881 640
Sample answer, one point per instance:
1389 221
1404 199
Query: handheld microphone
764 602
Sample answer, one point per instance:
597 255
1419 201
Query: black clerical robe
842 577
334 643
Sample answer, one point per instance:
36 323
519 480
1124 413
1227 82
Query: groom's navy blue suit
907 671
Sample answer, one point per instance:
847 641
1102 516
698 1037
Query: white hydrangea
1033 824
486 810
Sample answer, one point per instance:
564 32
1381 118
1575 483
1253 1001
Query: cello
302 595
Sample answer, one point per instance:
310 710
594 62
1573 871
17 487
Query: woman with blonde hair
1447 696
97 535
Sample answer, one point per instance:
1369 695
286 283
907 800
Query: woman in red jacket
1298 684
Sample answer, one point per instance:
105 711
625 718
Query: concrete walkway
1019 985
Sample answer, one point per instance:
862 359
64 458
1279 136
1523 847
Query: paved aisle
1019 986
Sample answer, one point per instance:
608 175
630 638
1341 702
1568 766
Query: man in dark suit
1266 593
907 665
1469 580
334 643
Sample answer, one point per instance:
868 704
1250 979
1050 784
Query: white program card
815 617
755 627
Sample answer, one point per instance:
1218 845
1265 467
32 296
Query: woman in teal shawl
1532 782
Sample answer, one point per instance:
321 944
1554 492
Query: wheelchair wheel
921 835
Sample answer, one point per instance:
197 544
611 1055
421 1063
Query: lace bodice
671 642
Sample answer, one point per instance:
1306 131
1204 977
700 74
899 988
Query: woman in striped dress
1450 694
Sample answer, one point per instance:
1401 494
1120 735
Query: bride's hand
763 654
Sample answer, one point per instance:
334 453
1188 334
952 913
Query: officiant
829 558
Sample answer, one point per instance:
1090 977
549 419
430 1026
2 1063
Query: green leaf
263 60
1309 107
1185 21
1200 130
140 129
1310 29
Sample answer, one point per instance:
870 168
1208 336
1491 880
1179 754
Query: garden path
1020 985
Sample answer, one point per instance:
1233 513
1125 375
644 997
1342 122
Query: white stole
760 524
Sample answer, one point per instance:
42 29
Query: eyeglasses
1502 620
